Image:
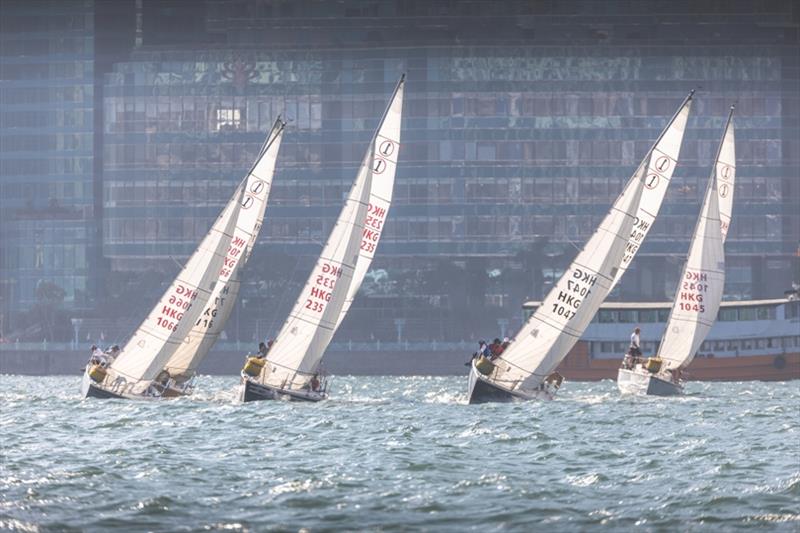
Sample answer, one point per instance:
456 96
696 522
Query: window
228 119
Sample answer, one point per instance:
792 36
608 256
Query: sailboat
700 287
291 368
161 356
526 369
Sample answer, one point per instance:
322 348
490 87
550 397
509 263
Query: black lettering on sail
386 148
651 181
662 163
248 202
378 166
257 187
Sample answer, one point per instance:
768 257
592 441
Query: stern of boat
483 390
640 381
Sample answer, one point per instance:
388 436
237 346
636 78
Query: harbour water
397 454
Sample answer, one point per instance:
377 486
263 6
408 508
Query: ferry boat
751 340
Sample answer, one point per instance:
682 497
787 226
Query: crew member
635 352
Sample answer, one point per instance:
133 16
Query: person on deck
506 342
112 353
634 351
314 383
495 349
262 350
98 357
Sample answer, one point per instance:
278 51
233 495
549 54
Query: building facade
48 229
519 130
521 123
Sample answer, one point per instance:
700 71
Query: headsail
167 325
702 281
299 346
560 321
386 149
208 326
657 168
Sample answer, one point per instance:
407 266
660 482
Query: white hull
640 381
483 390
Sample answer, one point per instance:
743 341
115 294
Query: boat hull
89 389
481 390
256 392
640 381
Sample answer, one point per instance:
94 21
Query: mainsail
561 319
301 342
210 323
167 325
702 281
657 168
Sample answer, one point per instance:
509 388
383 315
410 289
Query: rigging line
283 295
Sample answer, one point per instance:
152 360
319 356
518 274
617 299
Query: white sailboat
525 370
291 368
182 366
137 372
700 286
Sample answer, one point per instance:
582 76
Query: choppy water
396 454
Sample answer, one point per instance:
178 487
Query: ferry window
719 346
765 313
792 309
728 315
607 347
648 316
733 346
606 316
620 347
627 316
663 315
747 313
747 344
761 343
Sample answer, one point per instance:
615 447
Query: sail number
692 293
638 233
231 257
323 287
373 225
569 299
178 302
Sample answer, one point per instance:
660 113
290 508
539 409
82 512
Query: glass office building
519 130
48 228
522 120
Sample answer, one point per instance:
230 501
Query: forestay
167 325
560 321
702 281
300 344
657 168
210 323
